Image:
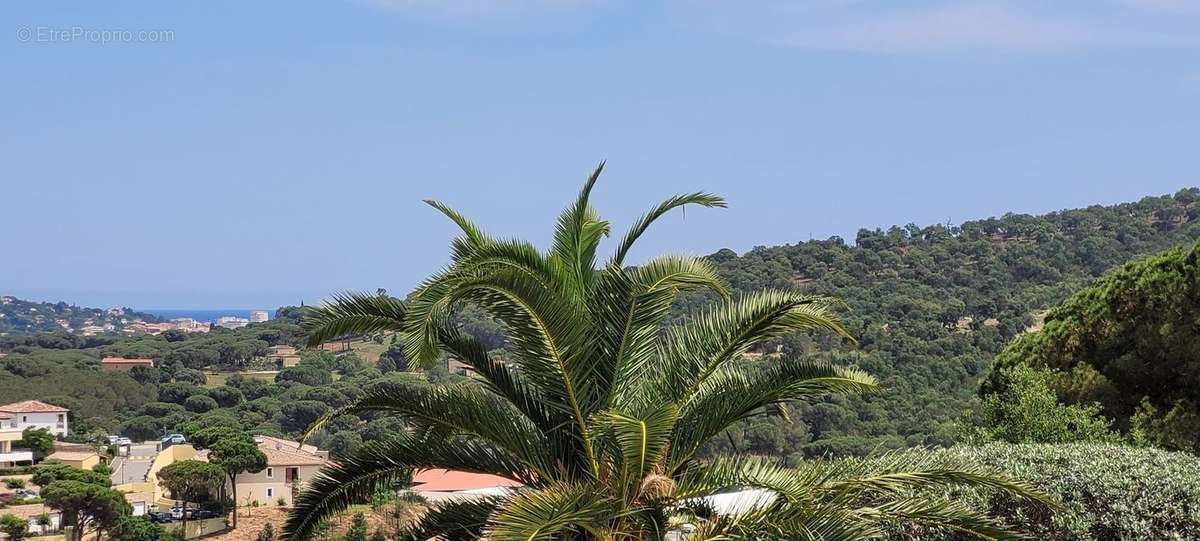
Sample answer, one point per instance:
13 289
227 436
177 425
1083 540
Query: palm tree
601 407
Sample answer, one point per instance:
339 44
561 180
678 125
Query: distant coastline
203 315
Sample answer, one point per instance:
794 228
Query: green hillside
931 306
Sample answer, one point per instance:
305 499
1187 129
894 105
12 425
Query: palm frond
643 223
731 395
353 313
629 308
544 514
382 465
472 232
458 409
460 520
577 236
640 441
692 352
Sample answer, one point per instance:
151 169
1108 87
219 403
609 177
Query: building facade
289 466
36 414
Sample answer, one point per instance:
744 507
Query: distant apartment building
122 364
259 316
232 322
187 324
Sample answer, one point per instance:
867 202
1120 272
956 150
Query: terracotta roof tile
31 406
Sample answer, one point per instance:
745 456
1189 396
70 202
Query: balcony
18 455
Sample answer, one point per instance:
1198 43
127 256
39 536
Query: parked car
176 513
202 513
124 441
174 439
112 440
161 518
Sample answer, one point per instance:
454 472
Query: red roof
123 360
32 406
453 480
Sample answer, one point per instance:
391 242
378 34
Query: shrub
14 483
358 529
14 527
267 533
281 502
1110 491
1028 411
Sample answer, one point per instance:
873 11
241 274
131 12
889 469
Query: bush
1028 411
200 403
1110 491
14 483
14 527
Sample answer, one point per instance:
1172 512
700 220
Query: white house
35 414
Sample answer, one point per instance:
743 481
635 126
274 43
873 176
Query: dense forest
930 308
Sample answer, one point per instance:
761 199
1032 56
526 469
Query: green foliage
200 403
131 528
267 533
16 528
1028 411
39 440
358 529
1129 341
143 428
84 505
234 452
599 408
306 373
47 473
191 480
14 483
1109 491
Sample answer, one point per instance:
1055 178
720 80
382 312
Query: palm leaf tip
352 313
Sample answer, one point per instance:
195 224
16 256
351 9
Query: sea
202 314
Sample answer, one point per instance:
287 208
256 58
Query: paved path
126 470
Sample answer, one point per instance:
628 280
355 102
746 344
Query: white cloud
891 26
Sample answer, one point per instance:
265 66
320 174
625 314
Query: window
270 475
24 418
270 492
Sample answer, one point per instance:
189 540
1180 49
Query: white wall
55 523
49 421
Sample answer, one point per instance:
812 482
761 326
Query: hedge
1111 492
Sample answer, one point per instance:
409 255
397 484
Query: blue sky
247 154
